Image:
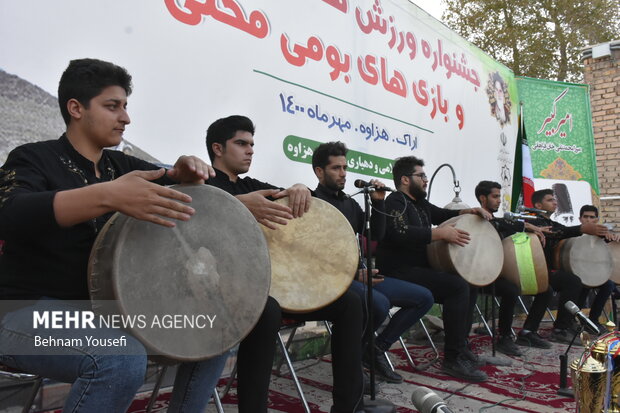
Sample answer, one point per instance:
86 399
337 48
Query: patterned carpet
529 385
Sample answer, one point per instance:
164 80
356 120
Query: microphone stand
563 390
373 405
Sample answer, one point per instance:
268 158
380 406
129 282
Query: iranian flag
523 168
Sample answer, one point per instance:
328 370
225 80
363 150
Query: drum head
589 258
313 258
478 262
213 267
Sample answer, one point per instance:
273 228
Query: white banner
382 76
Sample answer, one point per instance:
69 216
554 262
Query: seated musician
488 194
330 166
230 143
588 214
402 255
55 196
568 285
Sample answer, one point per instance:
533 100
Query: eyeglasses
421 175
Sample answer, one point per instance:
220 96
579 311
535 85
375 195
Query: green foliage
536 38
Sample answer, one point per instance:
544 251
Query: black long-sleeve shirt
353 212
241 186
40 258
408 232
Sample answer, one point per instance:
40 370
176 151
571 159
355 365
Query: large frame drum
586 256
313 258
525 264
478 262
215 264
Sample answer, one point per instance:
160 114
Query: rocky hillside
30 114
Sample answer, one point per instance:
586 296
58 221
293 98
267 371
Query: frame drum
478 262
313 258
216 265
586 256
525 264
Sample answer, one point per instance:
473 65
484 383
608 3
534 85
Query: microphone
511 216
583 320
360 183
533 210
427 401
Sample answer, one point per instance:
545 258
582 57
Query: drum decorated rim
512 272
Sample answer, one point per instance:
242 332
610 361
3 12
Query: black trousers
346 344
508 293
255 360
569 286
458 298
256 353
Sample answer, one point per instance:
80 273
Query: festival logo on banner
500 104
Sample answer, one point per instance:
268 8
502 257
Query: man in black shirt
589 214
488 193
55 196
330 166
568 285
230 142
402 254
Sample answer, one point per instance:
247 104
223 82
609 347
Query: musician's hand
299 198
594 229
545 230
612 237
541 237
191 170
377 195
482 213
266 212
539 231
133 195
362 275
453 235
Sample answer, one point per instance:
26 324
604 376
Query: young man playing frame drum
488 194
568 285
402 255
230 143
588 214
55 196
330 166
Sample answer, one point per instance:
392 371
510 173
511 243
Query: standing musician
488 194
588 214
55 196
330 166
402 255
568 285
230 143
